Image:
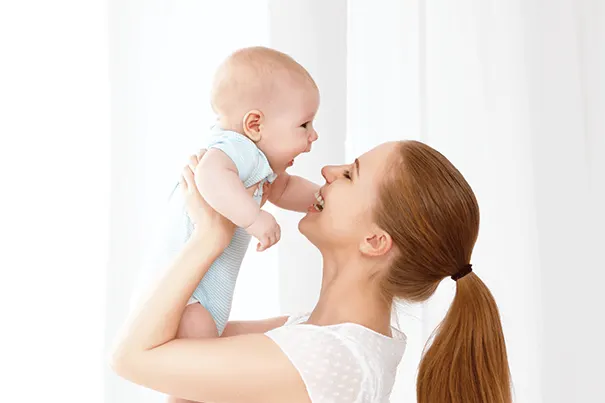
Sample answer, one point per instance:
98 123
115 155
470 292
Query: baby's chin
280 169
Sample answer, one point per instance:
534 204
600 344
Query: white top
344 363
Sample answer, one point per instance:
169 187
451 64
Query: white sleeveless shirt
343 363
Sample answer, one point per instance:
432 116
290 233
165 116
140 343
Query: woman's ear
253 124
376 243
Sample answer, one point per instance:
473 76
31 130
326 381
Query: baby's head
269 97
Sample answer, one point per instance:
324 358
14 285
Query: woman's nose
329 172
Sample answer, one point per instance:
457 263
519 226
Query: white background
99 105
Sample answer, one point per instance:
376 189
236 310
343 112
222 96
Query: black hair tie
466 269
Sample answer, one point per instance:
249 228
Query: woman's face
349 196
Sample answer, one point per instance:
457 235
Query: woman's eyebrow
357 165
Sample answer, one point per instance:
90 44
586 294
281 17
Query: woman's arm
240 327
249 368
156 319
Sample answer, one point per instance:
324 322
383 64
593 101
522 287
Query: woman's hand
207 222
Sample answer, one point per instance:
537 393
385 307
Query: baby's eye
305 124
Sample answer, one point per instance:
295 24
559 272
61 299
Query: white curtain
511 91
163 57
54 208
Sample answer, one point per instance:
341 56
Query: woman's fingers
193 161
187 178
188 171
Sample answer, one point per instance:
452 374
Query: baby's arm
217 179
219 184
293 193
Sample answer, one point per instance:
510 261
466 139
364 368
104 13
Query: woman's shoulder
329 368
350 331
297 319
341 358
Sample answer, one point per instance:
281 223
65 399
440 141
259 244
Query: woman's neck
348 295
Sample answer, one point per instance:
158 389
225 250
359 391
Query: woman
393 224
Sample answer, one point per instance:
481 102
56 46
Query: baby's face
288 131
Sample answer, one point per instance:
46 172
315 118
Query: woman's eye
347 174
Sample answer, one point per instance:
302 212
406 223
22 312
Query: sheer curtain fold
163 56
512 92
508 91
54 208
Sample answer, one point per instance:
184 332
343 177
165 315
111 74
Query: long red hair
432 215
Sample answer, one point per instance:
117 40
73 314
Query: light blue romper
215 290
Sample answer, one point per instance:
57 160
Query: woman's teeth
319 206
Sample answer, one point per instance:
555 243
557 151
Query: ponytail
432 216
466 361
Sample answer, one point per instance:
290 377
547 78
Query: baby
266 103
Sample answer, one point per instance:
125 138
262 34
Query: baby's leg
196 323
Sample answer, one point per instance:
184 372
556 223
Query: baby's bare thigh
196 323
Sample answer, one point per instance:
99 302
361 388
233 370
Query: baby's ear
253 122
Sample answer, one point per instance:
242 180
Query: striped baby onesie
215 290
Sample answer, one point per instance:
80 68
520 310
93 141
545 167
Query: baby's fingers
271 240
262 244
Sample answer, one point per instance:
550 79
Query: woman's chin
302 224
305 225
308 229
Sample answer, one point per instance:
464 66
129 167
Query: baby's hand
266 230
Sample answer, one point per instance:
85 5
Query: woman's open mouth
319 205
